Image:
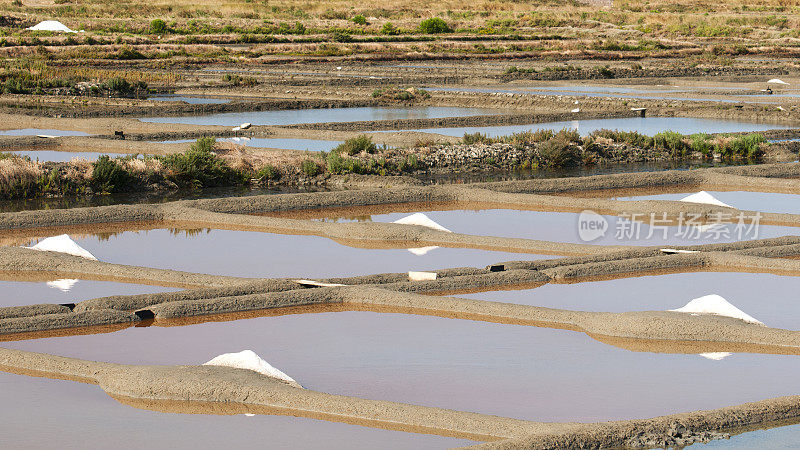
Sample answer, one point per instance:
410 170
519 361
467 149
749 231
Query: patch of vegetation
360 20
401 94
200 167
158 26
434 25
476 138
357 145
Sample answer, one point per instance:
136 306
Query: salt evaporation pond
508 370
42 131
56 156
551 226
255 254
769 298
743 200
781 437
190 100
297 116
312 145
66 290
645 125
75 415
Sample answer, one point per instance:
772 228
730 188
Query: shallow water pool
42 131
56 156
645 125
66 290
766 297
312 145
297 116
743 200
254 254
74 414
556 226
508 370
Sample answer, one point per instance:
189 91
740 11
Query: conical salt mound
777 81
422 220
704 198
51 25
249 360
714 304
62 244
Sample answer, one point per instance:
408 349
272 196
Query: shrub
338 164
268 172
108 176
128 53
356 145
389 29
434 25
199 167
158 26
360 20
558 152
310 168
672 142
475 138
701 143
747 146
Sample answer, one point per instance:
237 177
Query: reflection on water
56 156
561 226
769 298
296 116
312 145
65 290
508 370
786 436
42 131
255 254
645 125
744 200
46 411
190 100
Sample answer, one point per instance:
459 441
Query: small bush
268 172
434 25
356 145
310 168
360 20
701 143
128 53
389 29
108 176
558 152
158 26
199 167
672 142
475 138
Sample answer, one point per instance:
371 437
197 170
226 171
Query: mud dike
211 298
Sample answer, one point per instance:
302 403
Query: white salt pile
52 25
63 285
422 220
715 304
62 244
421 276
704 198
716 356
249 360
777 81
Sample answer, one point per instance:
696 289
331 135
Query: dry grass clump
19 176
